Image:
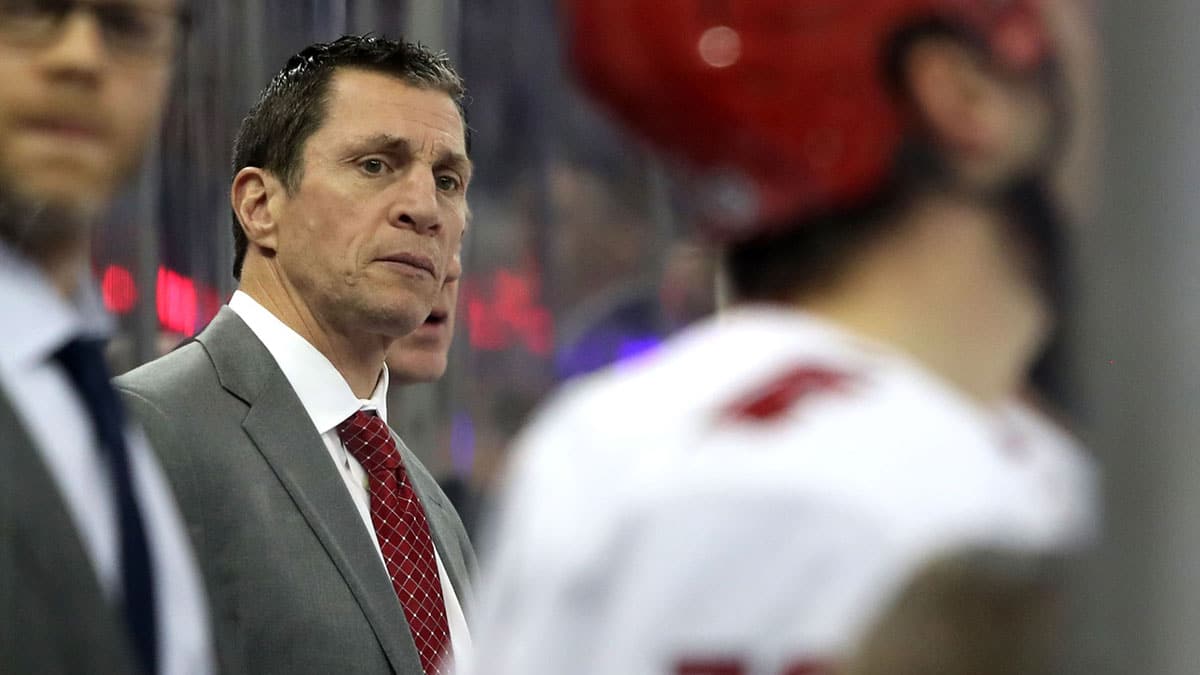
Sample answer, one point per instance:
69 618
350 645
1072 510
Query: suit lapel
280 428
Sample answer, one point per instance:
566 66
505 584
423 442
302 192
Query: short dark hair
293 106
801 258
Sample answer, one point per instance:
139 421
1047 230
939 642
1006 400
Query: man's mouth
413 260
436 318
65 127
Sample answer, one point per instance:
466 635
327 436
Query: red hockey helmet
780 107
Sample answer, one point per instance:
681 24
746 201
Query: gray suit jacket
296 583
54 618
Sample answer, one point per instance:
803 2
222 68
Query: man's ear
954 98
251 196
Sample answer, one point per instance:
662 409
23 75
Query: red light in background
483 330
118 289
176 302
182 303
512 313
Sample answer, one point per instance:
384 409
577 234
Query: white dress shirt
328 401
58 422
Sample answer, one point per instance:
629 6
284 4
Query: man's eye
448 183
373 166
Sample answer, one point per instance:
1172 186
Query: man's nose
417 202
78 52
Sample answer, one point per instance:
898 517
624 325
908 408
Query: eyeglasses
129 29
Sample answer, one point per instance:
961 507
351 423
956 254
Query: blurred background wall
575 259
1133 345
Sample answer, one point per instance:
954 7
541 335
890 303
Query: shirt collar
322 390
40 319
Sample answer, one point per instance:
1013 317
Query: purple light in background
634 347
462 443
603 348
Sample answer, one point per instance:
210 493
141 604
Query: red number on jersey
780 394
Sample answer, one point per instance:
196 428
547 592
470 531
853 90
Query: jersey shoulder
767 400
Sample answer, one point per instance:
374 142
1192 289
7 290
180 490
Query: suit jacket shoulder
166 380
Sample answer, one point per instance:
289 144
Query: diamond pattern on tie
403 534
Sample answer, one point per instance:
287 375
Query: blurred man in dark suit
96 574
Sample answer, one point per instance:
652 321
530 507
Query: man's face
75 111
369 236
421 356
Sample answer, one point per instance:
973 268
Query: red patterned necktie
403 535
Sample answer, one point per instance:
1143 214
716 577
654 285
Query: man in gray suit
328 548
96 574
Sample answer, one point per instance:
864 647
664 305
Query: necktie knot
369 441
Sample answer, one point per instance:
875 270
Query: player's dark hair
293 106
802 258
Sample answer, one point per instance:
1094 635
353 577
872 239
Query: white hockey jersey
746 499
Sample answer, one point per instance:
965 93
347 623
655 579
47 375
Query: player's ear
954 97
253 194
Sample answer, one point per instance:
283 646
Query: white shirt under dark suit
38 321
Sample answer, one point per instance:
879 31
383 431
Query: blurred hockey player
752 497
